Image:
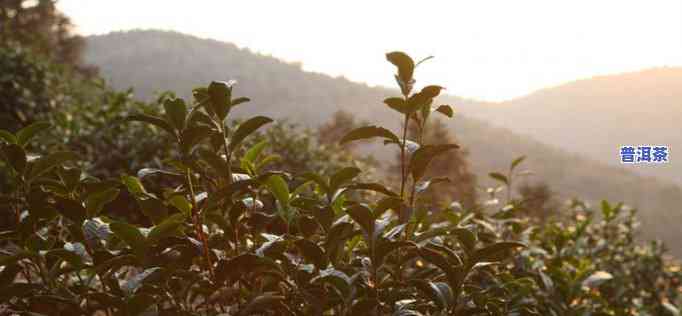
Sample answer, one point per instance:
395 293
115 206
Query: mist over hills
595 116
567 138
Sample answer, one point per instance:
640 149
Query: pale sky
484 49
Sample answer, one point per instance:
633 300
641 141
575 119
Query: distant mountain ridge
153 61
603 112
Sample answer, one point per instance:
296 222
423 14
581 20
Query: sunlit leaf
176 112
132 236
45 163
245 129
369 132
25 134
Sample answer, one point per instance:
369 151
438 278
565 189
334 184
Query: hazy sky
484 49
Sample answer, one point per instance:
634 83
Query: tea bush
230 236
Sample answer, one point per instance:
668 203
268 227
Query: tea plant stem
509 186
420 139
403 177
197 223
402 186
228 155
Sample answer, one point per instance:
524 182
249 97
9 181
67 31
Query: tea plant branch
197 223
228 154
403 163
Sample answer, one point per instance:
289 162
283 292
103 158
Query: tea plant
230 236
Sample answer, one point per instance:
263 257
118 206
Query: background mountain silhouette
570 133
595 116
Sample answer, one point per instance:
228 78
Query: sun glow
489 50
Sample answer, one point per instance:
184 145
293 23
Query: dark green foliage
229 230
39 26
153 60
28 89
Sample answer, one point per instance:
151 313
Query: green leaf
672 309
336 238
606 209
422 186
279 189
9 273
156 121
431 91
388 203
420 101
376 187
45 163
21 254
423 156
70 209
445 110
466 238
435 258
16 156
239 101
214 160
238 266
26 134
336 278
132 236
267 160
8 137
404 63
134 185
384 248
494 251
193 135
311 176
95 230
517 161
362 215
182 204
369 132
499 177
439 292
176 112
96 201
451 254
342 176
252 154
152 171
262 303
131 285
597 278
245 129
153 208
313 253
364 306
397 104
167 228
220 95
74 253
139 303
404 311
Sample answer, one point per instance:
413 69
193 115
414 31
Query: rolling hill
154 61
595 116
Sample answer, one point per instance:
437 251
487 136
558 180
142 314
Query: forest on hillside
271 191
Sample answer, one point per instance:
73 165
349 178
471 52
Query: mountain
154 61
595 116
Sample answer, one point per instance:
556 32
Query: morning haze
487 50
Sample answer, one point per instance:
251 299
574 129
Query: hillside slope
595 116
153 61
